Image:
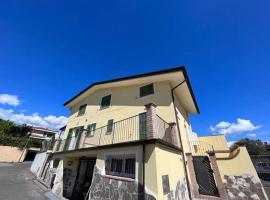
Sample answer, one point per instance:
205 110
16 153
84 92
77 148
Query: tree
6 127
254 147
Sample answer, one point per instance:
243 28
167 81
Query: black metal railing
130 129
262 166
164 130
47 145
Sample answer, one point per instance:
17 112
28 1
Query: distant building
43 133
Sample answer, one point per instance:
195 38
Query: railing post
151 120
173 134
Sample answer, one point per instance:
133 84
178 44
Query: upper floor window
147 90
110 126
91 129
82 110
123 166
105 102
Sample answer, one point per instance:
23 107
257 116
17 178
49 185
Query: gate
262 166
204 176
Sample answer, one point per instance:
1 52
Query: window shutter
91 129
110 126
142 125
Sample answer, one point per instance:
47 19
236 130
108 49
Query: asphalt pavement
18 183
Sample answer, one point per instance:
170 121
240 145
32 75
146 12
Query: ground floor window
123 165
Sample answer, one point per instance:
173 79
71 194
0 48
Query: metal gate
262 166
204 176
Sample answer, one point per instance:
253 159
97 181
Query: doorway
84 178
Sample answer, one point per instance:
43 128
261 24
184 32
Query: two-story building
131 138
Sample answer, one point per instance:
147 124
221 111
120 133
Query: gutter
143 172
180 139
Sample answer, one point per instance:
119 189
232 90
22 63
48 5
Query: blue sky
50 50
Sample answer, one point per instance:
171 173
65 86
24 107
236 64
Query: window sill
144 97
118 178
104 108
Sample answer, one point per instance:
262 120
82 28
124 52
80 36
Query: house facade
131 138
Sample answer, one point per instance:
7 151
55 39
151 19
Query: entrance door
204 176
84 178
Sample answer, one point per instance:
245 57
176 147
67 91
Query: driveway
18 183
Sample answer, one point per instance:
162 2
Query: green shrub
8 140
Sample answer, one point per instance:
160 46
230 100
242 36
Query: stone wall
103 188
180 192
244 187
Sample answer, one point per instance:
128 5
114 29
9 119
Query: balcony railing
47 145
135 128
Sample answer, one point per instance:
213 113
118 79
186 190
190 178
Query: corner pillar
192 175
174 135
220 185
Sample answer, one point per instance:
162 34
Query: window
147 90
105 102
110 126
91 129
82 110
123 166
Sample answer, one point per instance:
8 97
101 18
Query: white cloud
251 135
230 143
9 99
51 121
240 126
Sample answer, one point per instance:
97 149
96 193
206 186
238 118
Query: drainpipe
143 170
180 139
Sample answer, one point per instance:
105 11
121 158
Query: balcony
142 127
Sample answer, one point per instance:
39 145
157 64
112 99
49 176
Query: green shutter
110 126
68 139
91 129
142 125
78 135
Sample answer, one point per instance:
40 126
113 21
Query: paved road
17 183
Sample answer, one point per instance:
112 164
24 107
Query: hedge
9 140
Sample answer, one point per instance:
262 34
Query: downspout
180 139
143 170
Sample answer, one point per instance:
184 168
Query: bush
8 140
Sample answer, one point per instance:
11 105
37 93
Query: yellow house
131 138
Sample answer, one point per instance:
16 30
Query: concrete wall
11 154
38 162
240 164
169 165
